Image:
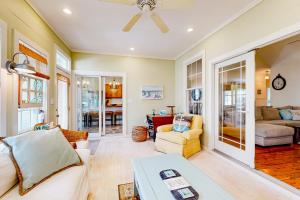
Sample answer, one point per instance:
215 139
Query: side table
296 137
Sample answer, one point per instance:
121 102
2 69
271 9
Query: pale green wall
140 71
20 16
266 18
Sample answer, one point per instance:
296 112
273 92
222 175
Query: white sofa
70 184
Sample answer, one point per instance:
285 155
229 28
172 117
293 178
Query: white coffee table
149 186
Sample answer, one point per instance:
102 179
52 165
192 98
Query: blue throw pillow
286 114
182 123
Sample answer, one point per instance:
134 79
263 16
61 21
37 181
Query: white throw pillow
296 114
8 175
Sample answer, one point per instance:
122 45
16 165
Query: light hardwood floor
111 165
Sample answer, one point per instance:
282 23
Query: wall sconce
22 68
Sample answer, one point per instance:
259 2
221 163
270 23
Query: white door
235 117
63 103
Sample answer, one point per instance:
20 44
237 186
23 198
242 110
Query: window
194 88
62 61
33 90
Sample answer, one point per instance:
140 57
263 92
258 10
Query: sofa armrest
192 134
165 128
75 136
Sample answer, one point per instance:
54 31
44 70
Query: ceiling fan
148 6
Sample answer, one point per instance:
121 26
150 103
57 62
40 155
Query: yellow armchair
186 143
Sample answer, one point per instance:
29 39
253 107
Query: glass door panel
235 107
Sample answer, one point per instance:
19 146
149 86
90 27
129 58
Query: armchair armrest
165 128
192 134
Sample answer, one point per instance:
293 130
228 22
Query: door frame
68 81
100 74
246 156
269 39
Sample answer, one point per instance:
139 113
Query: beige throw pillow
296 114
270 113
8 174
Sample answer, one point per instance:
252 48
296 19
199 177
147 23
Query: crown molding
45 21
230 20
122 55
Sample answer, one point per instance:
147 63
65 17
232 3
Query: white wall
288 66
140 71
260 82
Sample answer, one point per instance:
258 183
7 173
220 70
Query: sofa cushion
286 114
270 130
39 154
65 185
173 137
258 114
292 123
8 175
270 113
295 114
274 122
285 108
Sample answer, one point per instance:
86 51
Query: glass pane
62 61
33 97
194 99
39 98
189 73
24 97
39 85
199 74
232 104
25 123
24 81
33 84
194 75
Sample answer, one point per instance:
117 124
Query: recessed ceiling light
190 30
132 49
67 11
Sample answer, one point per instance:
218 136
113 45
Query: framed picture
152 92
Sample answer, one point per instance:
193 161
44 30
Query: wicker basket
139 133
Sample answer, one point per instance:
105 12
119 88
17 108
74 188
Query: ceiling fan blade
126 2
132 22
176 4
160 23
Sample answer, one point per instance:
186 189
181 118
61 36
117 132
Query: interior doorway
277 132
63 107
100 104
112 105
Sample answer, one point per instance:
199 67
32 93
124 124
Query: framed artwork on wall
153 92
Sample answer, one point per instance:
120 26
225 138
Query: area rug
126 192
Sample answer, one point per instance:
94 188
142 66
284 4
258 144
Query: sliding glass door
235 121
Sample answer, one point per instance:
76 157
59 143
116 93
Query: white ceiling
95 26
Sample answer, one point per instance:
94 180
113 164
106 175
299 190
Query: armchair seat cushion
173 137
